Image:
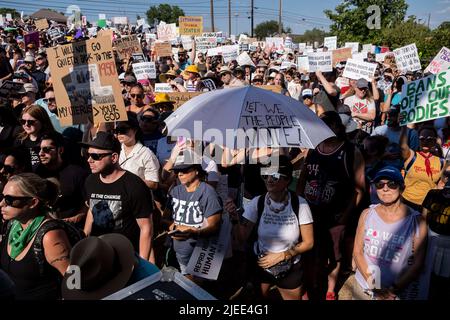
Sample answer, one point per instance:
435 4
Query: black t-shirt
116 206
71 178
5 68
438 217
33 147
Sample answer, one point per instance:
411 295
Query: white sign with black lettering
163 87
330 42
144 70
303 63
355 69
353 45
320 61
407 58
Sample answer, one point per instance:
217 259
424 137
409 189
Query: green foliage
164 12
269 29
310 36
13 12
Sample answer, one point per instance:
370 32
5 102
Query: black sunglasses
186 170
11 201
47 149
27 122
49 100
139 96
98 156
391 185
122 130
7 168
428 139
275 177
148 119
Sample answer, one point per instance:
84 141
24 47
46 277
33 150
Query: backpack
73 234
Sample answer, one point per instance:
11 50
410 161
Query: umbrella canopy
248 117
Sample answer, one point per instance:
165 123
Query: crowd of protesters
374 196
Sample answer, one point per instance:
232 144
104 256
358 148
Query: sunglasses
184 171
98 156
138 96
47 149
274 176
122 130
49 100
27 122
428 139
148 119
11 201
7 168
391 185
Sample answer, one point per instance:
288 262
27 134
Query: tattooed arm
57 249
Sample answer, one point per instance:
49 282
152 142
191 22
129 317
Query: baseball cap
307 93
362 83
390 173
104 141
28 58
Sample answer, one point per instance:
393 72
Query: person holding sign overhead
362 105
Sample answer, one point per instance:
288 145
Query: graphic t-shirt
361 106
116 206
192 209
33 147
438 217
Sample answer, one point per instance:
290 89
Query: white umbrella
246 117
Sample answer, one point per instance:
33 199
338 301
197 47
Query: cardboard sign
106 33
41 24
360 56
320 61
166 32
426 99
163 49
359 69
330 43
127 45
86 82
342 54
407 58
244 60
273 88
379 57
163 87
275 43
187 42
32 37
144 70
191 26
303 63
202 44
182 97
353 45
440 63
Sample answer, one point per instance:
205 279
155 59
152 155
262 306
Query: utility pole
229 18
252 20
279 18
212 16
429 18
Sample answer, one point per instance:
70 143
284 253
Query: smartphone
175 232
181 141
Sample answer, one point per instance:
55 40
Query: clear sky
300 15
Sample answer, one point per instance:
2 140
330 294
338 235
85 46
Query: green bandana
19 238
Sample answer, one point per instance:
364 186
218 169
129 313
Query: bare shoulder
55 237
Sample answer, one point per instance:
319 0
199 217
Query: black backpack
73 234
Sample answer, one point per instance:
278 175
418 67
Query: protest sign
330 42
191 26
127 45
144 70
274 43
288 42
106 33
86 82
2 21
440 63
229 53
303 63
166 32
207 257
368 48
212 34
32 38
84 21
138 57
302 46
163 87
181 97
320 61
379 57
407 58
202 44
426 99
360 56
359 69
243 38
140 22
353 45
342 54
163 49
41 24
150 37
244 60
120 20
9 17
187 42
244 47
101 16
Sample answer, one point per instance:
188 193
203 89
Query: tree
14 13
164 12
311 36
269 29
350 19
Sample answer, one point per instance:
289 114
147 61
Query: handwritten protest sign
379 57
426 99
32 38
407 58
303 63
181 97
440 63
163 87
202 44
244 60
106 33
120 20
302 46
353 45
191 26
127 45
229 53
341 55
187 42
359 69
41 24
86 82
320 61
368 48
144 70
166 32
163 49
330 42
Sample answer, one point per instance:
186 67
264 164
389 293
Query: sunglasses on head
122 130
274 176
98 156
47 149
391 185
27 122
138 96
7 168
12 201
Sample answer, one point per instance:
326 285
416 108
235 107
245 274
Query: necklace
277 210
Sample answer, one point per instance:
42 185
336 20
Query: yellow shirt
417 182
